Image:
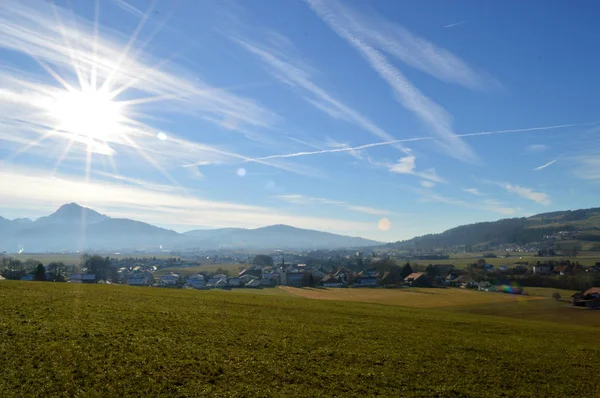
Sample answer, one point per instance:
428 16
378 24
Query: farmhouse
542 269
417 279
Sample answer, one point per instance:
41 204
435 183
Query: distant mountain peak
75 212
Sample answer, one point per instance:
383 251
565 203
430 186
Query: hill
276 237
65 339
582 225
75 228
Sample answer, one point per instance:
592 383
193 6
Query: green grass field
95 340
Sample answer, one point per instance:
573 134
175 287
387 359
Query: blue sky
380 119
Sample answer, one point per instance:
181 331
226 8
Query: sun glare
90 114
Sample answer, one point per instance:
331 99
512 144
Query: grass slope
94 340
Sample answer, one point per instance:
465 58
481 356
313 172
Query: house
417 279
256 273
254 283
196 281
589 298
221 284
365 281
238 282
563 270
168 280
542 269
332 281
140 279
295 279
88 278
27 277
216 278
486 286
594 269
75 278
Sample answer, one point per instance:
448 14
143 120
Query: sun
89 114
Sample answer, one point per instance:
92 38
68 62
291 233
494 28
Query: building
365 280
168 280
88 278
332 281
196 281
542 269
417 279
140 279
295 279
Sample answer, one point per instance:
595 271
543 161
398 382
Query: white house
169 280
196 281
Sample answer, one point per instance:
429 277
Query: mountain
583 225
73 228
276 237
76 228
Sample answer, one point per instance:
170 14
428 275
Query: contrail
455 24
545 165
383 143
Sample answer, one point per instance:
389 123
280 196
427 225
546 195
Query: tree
406 271
556 296
432 270
96 265
480 263
262 260
40 273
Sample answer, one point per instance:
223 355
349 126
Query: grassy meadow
97 340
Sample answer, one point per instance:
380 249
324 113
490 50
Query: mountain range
581 225
73 227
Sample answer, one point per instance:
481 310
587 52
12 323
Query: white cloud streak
291 73
308 200
542 167
71 47
407 165
473 191
427 184
349 27
537 148
527 193
453 25
414 139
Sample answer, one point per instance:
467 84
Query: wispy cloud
415 139
489 205
550 163
588 166
452 25
307 200
427 184
473 191
291 72
348 26
527 193
74 53
537 148
140 200
407 165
